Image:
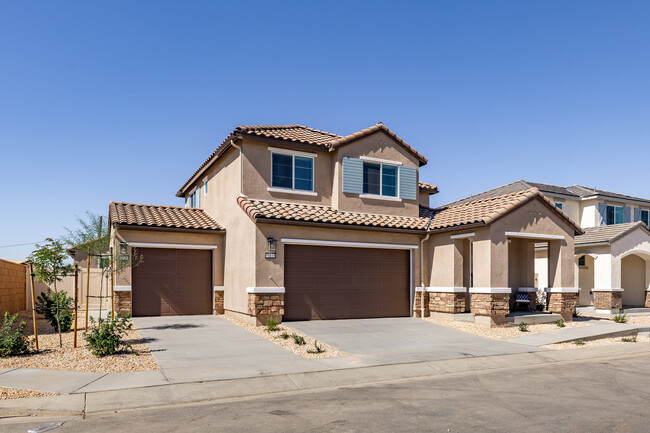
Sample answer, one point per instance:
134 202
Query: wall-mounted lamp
271 246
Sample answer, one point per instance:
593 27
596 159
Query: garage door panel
337 283
172 282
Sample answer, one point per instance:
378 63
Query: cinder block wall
13 277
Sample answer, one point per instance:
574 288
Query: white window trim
381 195
205 186
291 191
293 173
533 236
381 161
292 152
614 206
463 236
292 241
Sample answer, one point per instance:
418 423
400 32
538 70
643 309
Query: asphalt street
611 395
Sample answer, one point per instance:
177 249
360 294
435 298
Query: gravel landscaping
288 343
12 393
502 332
50 356
595 343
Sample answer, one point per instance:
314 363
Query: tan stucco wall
424 198
377 145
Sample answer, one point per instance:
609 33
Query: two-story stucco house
295 223
613 255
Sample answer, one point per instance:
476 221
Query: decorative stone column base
563 301
490 305
266 302
218 300
647 299
417 303
609 300
122 300
447 299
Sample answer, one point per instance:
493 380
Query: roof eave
263 220
168 229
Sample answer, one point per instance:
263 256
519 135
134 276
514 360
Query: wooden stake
112 263
31 274
87 288
76 291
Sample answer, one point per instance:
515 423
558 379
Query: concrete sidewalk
164 395
591 332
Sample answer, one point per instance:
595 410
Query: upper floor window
194 199
614 215
559 205
380 179
645 217
291 171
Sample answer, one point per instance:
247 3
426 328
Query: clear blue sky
122 100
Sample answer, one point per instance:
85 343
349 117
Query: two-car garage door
323 282
171 282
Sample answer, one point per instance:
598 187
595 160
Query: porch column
265 303
608 301
447 300
418 302
490 305
563 301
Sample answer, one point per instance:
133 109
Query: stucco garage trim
291 241
174 246
121 288
562 289
607 290
264 289
445 289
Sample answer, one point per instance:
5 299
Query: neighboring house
613 256
299 224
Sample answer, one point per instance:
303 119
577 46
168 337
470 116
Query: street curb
197 392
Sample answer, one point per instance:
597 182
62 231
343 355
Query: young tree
50 268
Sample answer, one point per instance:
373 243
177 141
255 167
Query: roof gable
609 233
152 216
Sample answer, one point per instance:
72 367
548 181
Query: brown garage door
345 283
172 282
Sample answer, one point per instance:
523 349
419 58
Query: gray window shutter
637 214
408 183
352 175
627 214
602 214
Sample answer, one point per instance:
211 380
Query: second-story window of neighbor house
292 172
645 217
380 179
559 205
614 215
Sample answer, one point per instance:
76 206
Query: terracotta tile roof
293 134
608 233
270 210
432 189
487 210
143 215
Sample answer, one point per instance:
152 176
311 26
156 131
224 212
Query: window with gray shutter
602 211
352 175
408 182
637 214
627 214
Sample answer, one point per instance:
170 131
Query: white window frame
293 155
381 180
607 206
205 186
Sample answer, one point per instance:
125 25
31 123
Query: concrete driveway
201 348
402 339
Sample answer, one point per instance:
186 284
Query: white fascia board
607 290
379 160
490 290
121 288
292 152
264 289
291 241
534 236
175 246
463 236
562 289
380 197
527 289
445 289
218 288
291 191
592 244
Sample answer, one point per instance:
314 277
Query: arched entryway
633 280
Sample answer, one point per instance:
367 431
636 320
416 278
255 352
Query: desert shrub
13 340
46 304
579 342
271 324
620 318
284 336
317 348
630 339
106 336
298 339
560 323
523 327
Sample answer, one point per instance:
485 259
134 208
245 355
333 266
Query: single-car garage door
345 283
170 282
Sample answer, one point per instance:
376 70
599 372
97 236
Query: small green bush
284 336
46 305
13 340
620 318
579 342
317 348
631 339
523 327
106 336
271 324
298 339
560 323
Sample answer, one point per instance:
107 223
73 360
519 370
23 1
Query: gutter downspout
241 166
422 266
